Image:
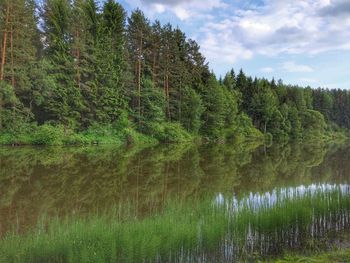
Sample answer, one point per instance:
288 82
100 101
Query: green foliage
153 104
192 110
13 116
244 129
168 132
264 105
48 135
314 124
214 114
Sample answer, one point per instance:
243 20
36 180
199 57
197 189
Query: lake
208 202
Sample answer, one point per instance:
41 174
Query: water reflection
51 181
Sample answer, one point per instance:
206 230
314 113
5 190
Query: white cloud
267 70
291 66
309 80
281 27
183 9
159 8
181 13
218 47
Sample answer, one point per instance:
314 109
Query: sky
305 42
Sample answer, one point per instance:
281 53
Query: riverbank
120 133
337 256
124 134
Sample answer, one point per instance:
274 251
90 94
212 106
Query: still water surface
55 181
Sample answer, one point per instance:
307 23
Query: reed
224 229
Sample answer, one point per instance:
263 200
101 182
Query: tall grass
219 230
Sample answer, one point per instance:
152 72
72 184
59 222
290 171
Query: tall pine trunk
139 77
12 57
77 57
4 44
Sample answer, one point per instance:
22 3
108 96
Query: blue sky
304 42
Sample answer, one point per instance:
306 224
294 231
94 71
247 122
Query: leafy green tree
153 102
214 115
264 105
230 80
192 110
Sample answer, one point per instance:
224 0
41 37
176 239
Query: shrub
48 134
168 132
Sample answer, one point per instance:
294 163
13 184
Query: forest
82 72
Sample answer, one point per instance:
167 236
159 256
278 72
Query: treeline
75 67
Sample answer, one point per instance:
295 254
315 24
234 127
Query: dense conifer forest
74 72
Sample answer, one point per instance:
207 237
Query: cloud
267 70
336 8
218 46
292 67
167 2
280 27
183 9
309 80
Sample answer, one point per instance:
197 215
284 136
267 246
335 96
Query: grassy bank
337 256
110 134
224 229
57 135
117 134
124 132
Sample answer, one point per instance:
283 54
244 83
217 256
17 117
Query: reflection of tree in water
34 181
282 165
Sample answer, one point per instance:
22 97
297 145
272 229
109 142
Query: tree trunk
180 101
168 96
77 56
0 111
154 69
12 58
139 77
3 57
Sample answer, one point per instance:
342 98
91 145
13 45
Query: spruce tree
63 101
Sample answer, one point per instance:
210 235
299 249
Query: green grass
56 135
337 256
202 228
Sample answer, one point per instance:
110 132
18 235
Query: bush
244 129
76 139
168 132
48 134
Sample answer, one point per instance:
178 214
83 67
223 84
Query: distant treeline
80 68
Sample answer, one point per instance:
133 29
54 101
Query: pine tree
85 23
138 37
63 101
18 51
110 63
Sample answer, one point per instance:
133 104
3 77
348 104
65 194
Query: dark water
60 181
